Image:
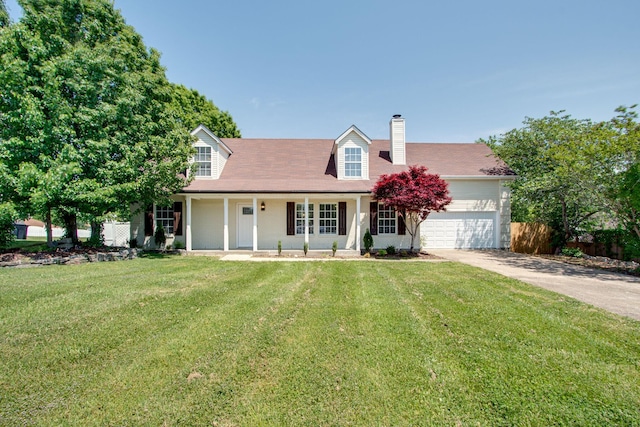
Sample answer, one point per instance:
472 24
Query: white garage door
464 230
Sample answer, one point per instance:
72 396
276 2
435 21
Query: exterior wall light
262 206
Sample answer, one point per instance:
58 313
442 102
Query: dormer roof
203 128
355 129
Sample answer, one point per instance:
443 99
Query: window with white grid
386 219
203 159
328 218
164 217
300 218
353 162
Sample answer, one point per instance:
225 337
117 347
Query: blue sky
456 70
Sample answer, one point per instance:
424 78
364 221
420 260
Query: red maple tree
414 194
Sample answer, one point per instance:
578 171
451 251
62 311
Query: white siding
207 224
397 150
223 156
219 156
353 140
474 195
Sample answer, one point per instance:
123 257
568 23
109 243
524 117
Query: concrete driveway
618 293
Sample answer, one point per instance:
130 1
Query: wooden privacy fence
530 238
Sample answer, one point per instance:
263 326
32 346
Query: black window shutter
402 225
177 218
148 221
373 218
291 218
342 218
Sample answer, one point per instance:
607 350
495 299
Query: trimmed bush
368 241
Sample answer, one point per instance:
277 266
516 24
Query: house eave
191 192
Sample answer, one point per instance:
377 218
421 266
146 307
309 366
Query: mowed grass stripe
526 353
330 356
196 341
148 340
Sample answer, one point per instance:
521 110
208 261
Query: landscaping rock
61 257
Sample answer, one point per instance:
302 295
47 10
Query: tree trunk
48 227
71 226
413 224
96 232
565 225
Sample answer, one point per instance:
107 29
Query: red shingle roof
307 165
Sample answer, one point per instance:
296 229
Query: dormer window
203 159
353 162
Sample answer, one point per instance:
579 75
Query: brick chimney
397 150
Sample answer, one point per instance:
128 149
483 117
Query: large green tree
623 168
560 162
195 109
4 15
88 121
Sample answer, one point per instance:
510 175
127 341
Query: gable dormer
351 153
211 153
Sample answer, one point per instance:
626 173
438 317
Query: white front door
245 226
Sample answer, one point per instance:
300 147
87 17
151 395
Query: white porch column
188 236
358 230
225 231
306 220
255 224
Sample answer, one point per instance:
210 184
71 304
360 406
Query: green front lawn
196 341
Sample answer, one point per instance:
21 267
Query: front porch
261 223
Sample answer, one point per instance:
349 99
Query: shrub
631 244
381 253
177 244
391 250
8 216
572 252
279 247
368 241
305 248
334 247
95 241
160 237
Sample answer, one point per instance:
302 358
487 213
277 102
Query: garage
459 230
